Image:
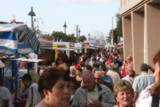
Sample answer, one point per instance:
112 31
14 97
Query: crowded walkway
98 79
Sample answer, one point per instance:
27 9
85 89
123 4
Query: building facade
141 30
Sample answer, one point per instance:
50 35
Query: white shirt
129 79
114 75
142 81
144 99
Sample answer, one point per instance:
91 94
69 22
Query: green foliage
60 36
71 38
116 36
82 38
117 32
119 26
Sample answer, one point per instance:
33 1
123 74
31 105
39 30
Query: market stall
14 39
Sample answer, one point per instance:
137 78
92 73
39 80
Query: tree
60 36
82 38
119 25
72 38
117 32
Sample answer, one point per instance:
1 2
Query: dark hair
4 103
144 67
49 78
156 58
1 81
75 83
88 67
103 67
27 77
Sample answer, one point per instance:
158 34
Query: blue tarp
17 36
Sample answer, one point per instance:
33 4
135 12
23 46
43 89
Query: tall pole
77 28
89 36
65 26
32 23
32 14
79 32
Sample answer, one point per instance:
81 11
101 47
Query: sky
93 17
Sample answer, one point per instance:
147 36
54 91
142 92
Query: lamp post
79 32
89 35
32 14
77 27
65 26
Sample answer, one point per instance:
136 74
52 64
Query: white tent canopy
28 60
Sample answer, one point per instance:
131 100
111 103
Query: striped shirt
142 81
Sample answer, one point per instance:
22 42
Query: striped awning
28 36
13 34
8 42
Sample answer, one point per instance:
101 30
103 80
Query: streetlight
79 32
32 14
89 35
65 26
77 28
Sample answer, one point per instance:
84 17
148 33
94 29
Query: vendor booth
16 40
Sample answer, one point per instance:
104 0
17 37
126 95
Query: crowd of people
98 79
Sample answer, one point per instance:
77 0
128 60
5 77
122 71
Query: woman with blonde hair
124 93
